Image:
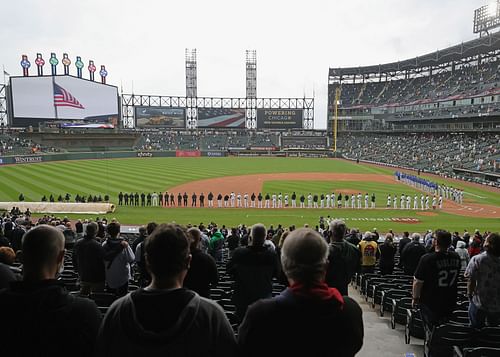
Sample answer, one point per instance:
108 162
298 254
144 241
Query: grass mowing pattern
157 174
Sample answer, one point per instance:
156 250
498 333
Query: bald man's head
43 246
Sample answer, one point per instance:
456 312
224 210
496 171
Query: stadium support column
3 105
191 89
251 93
335 118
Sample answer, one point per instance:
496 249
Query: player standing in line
245 200
322 201
252 200
309 200
339 200
202 200
238 200
210 198
268 197
427 202
226 200
395 201
408 202
332 199
327 200
219 200
422 204
373 200
366 200
315 201
415 202
302 200
259 198
434 202
440 202
294 199
273 196
359 200
232 197
403 201
280 200
389 201
286 200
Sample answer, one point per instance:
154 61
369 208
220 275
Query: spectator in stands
202 273
387 251
164 318
476 244
69 236
140 254
88 260
253 268
117 258
411 254
8 273
315 319
369 252
79 228
233 241
463 254
402 244
17 234
216 246
41 315
343 258
435 283
483 286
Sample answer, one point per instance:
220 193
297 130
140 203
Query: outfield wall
29 159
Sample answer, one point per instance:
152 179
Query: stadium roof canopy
455 53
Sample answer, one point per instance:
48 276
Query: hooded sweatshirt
44 318
117 261
174 322
463 254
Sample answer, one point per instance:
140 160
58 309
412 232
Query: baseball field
480 210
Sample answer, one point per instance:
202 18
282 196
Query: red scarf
319 291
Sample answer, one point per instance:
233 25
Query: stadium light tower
487 18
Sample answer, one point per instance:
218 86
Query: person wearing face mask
42 316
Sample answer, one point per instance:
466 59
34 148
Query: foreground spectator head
7 255
492 244
368 236
338 229
304 256
113 229
167 253
194 235
443 239
42 252
151 227
91 230
258 234
415 237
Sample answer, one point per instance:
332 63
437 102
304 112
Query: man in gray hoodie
164 319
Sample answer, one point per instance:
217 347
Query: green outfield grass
158 174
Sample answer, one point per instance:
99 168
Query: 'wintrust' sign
27 159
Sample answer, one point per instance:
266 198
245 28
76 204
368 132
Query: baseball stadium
410 146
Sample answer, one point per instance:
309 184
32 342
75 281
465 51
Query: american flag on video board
63 98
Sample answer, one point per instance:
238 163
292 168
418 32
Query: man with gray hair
410 256
307 311
39 314
344 258
253 268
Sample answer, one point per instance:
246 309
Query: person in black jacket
315 318
88 260
402 244
411 254
202 273
387 252
41 315
253 268
344 258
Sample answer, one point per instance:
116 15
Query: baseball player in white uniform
238 200
274 200
389 201
366 200
415 202
408 202
245 200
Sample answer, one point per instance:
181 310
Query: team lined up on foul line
273 200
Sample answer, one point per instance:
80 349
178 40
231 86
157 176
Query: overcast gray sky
296 41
